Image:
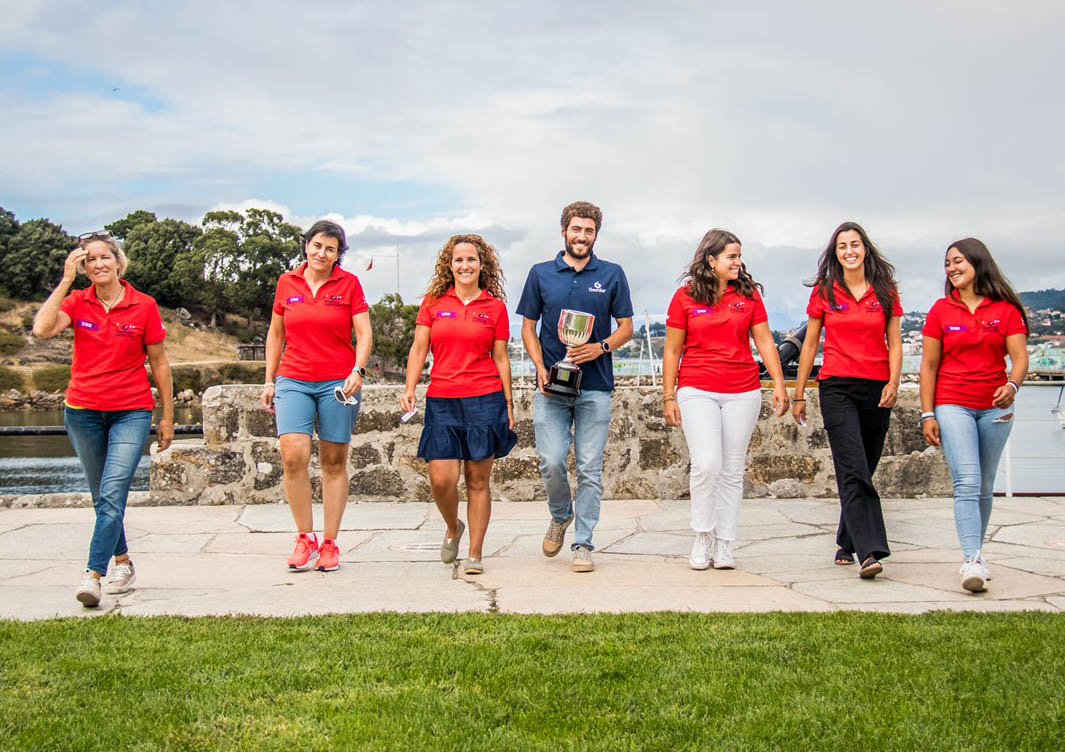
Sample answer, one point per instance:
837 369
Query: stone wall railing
238 462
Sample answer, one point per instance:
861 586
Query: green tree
162 262
8 228
393 330
33 259
121 228
245 253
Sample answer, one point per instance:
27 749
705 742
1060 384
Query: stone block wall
238 462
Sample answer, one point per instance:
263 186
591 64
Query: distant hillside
1044 299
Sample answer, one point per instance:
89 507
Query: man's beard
571 251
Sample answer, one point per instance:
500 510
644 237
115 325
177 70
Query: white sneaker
987 569
582 560
88 592
121 578
702 553
973 576
723 555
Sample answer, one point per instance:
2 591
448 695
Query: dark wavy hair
700 281
584 210
879 272
330 230
989 281
490 278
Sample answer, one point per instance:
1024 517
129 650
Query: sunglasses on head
87 236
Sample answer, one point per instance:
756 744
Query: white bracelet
1015 387
268 383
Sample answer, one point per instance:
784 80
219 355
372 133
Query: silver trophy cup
574 328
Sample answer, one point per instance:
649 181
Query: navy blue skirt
466 428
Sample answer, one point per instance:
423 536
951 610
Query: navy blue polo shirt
600 288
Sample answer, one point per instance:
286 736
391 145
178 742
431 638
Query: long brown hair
988 281
879 272
491 277
700 281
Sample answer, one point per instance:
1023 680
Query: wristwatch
606 346
360 370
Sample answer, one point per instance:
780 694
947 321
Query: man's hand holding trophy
574 329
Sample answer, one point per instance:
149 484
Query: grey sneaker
582 560
702 555
473 566
973 576
556 532
449 549
88 592
121 578
723 555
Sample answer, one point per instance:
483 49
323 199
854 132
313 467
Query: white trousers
717 427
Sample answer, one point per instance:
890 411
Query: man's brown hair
583 210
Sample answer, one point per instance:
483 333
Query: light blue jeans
973 441
109 445
583 421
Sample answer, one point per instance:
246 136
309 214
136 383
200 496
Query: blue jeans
972 443
589 418
109 445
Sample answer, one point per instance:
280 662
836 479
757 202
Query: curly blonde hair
491 277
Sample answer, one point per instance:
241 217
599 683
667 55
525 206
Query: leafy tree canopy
33 259
162 262
393 329
121 228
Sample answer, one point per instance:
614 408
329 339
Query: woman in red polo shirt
108 405
966 399
709 325
312 371
855 300
469 411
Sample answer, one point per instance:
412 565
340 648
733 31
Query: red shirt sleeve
277 298
502 324
815 309
424 316
1015 322
154 331
675 316
933 327
896 305
68 305
759 314
358 298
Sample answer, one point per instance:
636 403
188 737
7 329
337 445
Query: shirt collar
128 296
955 298
301 270
451 291
561 265
841 288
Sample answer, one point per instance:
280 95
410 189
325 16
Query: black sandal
870 568
842 557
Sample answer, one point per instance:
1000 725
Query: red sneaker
305 553
329 561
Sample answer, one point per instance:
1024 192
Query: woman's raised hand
70 266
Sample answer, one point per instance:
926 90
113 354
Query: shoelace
119 571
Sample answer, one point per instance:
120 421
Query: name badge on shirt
92 326
294 299
702 311
446 315
954 328
840 307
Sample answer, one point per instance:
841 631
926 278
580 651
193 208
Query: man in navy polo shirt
576 279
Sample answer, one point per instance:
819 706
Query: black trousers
856 429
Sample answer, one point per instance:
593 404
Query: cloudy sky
411 121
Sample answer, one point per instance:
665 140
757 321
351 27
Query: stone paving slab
226 560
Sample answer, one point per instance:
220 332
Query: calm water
46 464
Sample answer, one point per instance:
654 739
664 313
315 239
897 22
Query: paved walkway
221 560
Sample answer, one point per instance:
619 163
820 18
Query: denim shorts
296 403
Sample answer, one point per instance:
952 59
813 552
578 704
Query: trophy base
564 380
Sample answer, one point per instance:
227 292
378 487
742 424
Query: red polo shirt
855 335
109 349
461 339
318 327
717 351
973 363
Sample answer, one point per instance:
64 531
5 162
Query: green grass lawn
835 682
